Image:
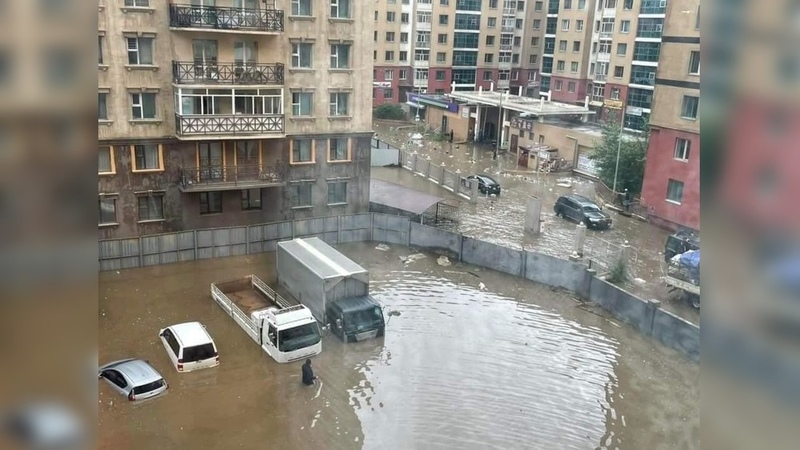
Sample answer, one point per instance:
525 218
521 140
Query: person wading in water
308 374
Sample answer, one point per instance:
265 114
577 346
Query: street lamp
500 124
619 149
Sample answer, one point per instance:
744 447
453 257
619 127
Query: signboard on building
612 103
522 124
465 112
586 165
382 84
634 111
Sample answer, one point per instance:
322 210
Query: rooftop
322 259
400 197
537 107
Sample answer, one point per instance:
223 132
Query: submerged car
486 184
581 209
134 378
189 346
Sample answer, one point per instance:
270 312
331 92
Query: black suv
486 185
581 209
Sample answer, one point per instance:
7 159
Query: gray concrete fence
646 316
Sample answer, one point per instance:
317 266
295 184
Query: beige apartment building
231 112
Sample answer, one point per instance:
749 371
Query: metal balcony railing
188 72
228 125
225 18
210 176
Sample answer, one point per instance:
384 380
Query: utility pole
499 126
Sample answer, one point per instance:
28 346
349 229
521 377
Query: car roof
580 199
191 333
136 370
487 177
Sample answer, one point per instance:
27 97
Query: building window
559 84
301 195
340 9
682 149
403 74
403 56
403 38
518 24
140 51
565 25
533 59
615 93
100 50
675 191
487 76
390 16
625 26
440 75
491 22
102 106
689 107
389 56
444 19
567 4
619 71
535 41
301 56
108 211
560 66
388 93
210 202
405 18
337 193
390 36
302 151
562 46
147 157
137 3
573 66
571 86
444 2
537 6
151 207
517 41
622 48
627 4
388 74
694 63
576 46
441 57
442 39
301 7
302 103
339 104
537 24
251 198
340 56
515 58
420 74
492 4
489 41
338 149
581 4
105 161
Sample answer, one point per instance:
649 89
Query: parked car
486 184
45 425
581 209
134 378
189 346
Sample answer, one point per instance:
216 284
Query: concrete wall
644 315
383 154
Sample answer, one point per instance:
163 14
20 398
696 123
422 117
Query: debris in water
443 261
393 313
382 247
481 286
639 281
411 258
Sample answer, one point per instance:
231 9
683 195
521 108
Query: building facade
671 188
232 112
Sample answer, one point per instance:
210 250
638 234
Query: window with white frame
682 149
151 207
579 25
615 93
340 9
301 7
302 151
689 107
337 193
301 195
571 86
388 74
625 26
420 74
147 157
302 103
340 56
565 25
338 149
573 66
339 104
424 17
301 55
107 211
143 105
105 161
694 62
675 191
137 3
403 75
140 51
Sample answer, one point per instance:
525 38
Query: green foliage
631 156
389 111
618 273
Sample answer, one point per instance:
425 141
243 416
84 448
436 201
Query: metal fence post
339 229
141 257
194 237
247 240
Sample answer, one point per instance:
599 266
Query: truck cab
288 334
356 319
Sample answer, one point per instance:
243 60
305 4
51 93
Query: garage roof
323 260
400 197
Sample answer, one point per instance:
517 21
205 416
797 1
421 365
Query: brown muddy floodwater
512 365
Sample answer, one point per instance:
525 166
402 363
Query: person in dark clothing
451 135
308 373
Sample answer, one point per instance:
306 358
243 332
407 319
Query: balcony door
202 12
205 59
245 57
247 160
210 159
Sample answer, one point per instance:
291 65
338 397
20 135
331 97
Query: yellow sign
613 104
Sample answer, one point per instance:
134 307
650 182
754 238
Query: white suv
189 346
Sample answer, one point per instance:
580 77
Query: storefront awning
415 105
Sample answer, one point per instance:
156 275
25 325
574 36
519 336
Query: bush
389 111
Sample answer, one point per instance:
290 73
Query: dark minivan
581 209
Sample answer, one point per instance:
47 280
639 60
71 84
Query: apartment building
231 112
671 188
424 46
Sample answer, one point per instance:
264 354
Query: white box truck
285 331
332 286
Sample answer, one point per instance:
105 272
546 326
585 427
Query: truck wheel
695 300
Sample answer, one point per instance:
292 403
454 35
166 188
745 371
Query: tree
389 111
632 154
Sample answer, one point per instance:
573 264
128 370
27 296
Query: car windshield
488 181
298 337
366 319
198 353
591 208
149 387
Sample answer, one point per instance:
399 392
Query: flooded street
501 220
509 365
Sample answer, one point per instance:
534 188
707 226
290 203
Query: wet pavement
501 220
471 359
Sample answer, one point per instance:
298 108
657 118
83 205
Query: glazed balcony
202 126
220 178
225 19
188 72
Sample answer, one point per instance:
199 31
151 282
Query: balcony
604 57
600 77
606 34
187 72
422 44
505 47
225 19
220 178
201 126
507 29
